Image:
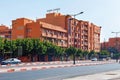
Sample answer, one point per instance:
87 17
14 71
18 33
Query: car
94 59
11 61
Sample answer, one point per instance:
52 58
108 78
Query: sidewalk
111 75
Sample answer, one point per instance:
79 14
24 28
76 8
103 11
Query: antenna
56 9
50 10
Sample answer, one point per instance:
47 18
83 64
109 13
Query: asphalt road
58 73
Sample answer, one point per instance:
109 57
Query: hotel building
62 30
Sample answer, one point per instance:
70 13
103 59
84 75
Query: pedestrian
116 59
119 60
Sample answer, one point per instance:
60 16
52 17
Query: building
5 32
81 34
26 28
112 43
19 28
84 35
62 30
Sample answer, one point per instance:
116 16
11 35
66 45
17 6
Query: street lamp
116 42
74 15
10 40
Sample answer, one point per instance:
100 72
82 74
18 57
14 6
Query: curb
21 69
42 63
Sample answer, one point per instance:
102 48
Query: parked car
94 59
11 61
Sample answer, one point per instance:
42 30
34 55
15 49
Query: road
59 73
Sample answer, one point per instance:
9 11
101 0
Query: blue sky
105 13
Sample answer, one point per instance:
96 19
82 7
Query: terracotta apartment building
5 31
62 30
111 43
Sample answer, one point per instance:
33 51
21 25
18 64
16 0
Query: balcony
64 38
54 36
86 39
85 33
62 45
44 34
85 28
86 44
59 37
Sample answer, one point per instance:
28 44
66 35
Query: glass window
20 27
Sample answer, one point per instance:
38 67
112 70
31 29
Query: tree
1 45
19 45
42 49
85 54
7 45
104 52
14 49
39 47
116 56
72 51
7 48
59 52
27 45
1 49
36 44
112 50
79 53
50 51
91 54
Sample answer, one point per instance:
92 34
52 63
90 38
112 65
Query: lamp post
116 42
11 41
74 15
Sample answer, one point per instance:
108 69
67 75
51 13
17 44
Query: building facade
39 30
112 43
62 30
5 32
80 34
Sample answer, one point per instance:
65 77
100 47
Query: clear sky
104 13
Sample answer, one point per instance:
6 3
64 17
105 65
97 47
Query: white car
11 61
94 59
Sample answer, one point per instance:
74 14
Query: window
29 30
20 27
20 36
55 32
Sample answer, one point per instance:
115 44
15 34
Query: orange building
85 35
81 34
19 28
26 28
55 19
5 32
62 30
112 43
